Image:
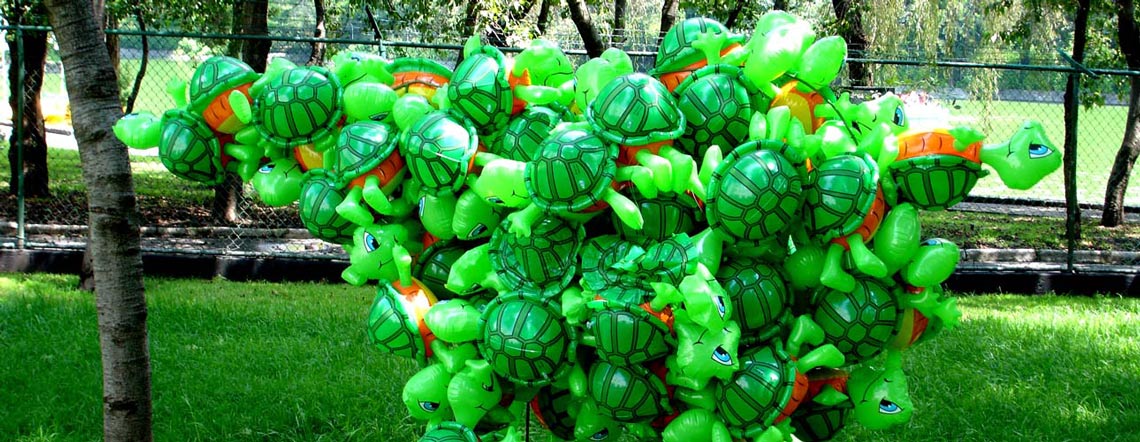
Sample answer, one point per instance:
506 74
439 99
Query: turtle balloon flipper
177 90
626 210
473 272
710 43
139 130
964 136
248 159
713 157
832 275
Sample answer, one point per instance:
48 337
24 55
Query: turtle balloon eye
478 230
267 168
495 200
370 242
900 118
931 242
421 208
429 407
888 407
489 387
720 307
1039 151
601 435
721 356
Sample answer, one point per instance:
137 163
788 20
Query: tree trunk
227 198
113 220
849 13
734 15
580 15
113 44
780 5
1072 110
668 16
617 40
317 55
1129 43
544 16
497 32
34 141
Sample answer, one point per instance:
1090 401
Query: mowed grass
254 361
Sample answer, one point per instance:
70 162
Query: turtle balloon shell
718 102
860 323
526 339
840 193
552 406
760 391
189 149
627 393
319 197
755 193
933 175
434 265
817 422
396 321
666 215
440 150
627 334
635 110
215 76
479 90
676 50
544 262
526 132
301 106
761 302
449 431
571 171
361 147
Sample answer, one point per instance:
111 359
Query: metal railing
177 214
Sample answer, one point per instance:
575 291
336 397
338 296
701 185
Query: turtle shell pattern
761 301
552 408
303 105
440 150
760 391
860 323
189 149
840 192
755 193
598 255
571 171
626 334
449 431
676 50
360 148
395 322
933 175
526 131
666 215
635 110
434 265
718 102
544 262
214 77
526 339
817 422
627 393
319 198
480 91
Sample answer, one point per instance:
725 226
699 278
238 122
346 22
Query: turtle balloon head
1025 159
887 109
546 63
880 395
278 182
425 394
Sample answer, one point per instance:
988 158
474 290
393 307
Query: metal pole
18 130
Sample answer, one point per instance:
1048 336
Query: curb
1031 278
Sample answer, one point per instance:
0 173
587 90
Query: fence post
18 130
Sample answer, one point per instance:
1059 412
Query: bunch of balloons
720 249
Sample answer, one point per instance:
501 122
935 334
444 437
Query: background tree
580 14
33 140
113 220
668 16
317 55
1128 39
849 14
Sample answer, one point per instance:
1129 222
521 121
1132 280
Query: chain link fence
180 215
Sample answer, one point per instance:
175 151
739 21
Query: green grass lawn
259 361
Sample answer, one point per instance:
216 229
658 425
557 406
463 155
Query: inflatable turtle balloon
595 74
526 131
702 354
639 114
543 263
843 204
474 217
425 394
676 56
318 202
365 161
544 62
761 302
396 321
433 266
936 170
211 87
718 102
377 254
449 431
419 76
278 182
440 151
473 392
302 105
189 149
479 88
627 334
627 393
860 322
526 339
754 195
666 215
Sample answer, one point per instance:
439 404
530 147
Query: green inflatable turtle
301 105
860 323
627 393
396 321
479 88
440 149
761 302
626 334
526 339
318 201
365 161
676 55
